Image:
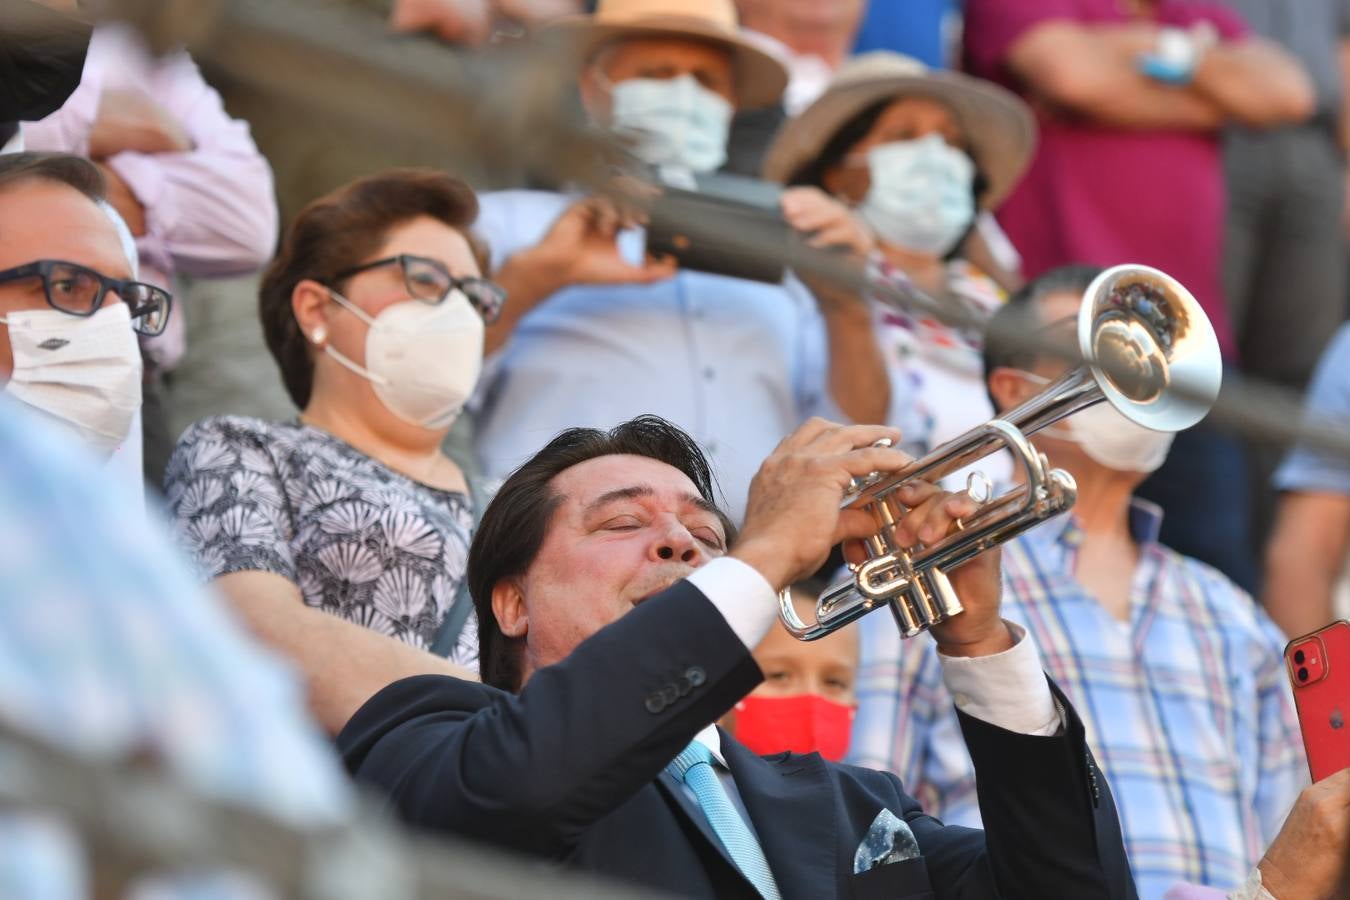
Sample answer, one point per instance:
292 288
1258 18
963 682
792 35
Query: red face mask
802 724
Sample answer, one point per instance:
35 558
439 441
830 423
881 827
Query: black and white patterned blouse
359 539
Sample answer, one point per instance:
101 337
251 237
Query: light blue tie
695 768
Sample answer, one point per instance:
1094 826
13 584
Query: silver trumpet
1150 352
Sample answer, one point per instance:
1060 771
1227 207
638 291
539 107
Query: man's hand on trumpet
793 518
934 514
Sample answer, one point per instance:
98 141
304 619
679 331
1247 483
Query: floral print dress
360 540
936 371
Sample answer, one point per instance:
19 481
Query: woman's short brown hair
339 231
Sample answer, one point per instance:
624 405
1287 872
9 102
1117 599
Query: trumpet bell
1151 348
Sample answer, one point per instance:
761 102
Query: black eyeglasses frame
123 288
485 296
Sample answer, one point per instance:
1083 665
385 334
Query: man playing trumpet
618 611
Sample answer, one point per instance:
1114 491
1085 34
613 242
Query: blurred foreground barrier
135 821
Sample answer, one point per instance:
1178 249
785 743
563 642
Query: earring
320 335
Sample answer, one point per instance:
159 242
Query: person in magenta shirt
1128 168
1130 97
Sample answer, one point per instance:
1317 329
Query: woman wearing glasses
374 311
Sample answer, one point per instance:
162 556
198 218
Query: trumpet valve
858 485
905 618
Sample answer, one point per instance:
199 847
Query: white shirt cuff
744 598
1252 889
1006 689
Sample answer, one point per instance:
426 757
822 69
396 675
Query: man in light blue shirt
594 334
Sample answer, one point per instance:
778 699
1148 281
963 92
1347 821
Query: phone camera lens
1302 674
1299 657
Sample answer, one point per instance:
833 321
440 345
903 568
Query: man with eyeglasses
69 311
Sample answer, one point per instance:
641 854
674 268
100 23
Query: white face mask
921 196
83 372
1109 439
422 360
677 121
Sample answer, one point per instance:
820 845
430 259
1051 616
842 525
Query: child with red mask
807 700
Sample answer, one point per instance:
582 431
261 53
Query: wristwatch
1177 53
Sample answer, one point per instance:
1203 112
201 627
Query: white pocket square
888 840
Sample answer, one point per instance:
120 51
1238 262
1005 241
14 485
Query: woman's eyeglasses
431 282
80 291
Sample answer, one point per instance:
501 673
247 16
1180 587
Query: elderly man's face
42 219
660 58
627 527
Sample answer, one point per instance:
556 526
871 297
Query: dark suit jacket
572 770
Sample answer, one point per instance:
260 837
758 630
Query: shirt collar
1146 519
710 738
12 143
1145 524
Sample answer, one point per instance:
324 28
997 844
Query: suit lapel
680 797
791 804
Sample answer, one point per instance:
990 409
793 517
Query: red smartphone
1319 670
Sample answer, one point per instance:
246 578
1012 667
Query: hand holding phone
1319 670
1310 857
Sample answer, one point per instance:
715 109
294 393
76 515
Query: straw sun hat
760 78
999 126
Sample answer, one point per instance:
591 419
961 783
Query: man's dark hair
73 171
1006 342
516 521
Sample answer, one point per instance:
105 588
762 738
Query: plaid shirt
1186 706
110 647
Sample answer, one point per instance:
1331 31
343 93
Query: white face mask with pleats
83 373
423 360
921 195
1109 439
676 122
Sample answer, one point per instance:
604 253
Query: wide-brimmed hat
760 77
999 126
